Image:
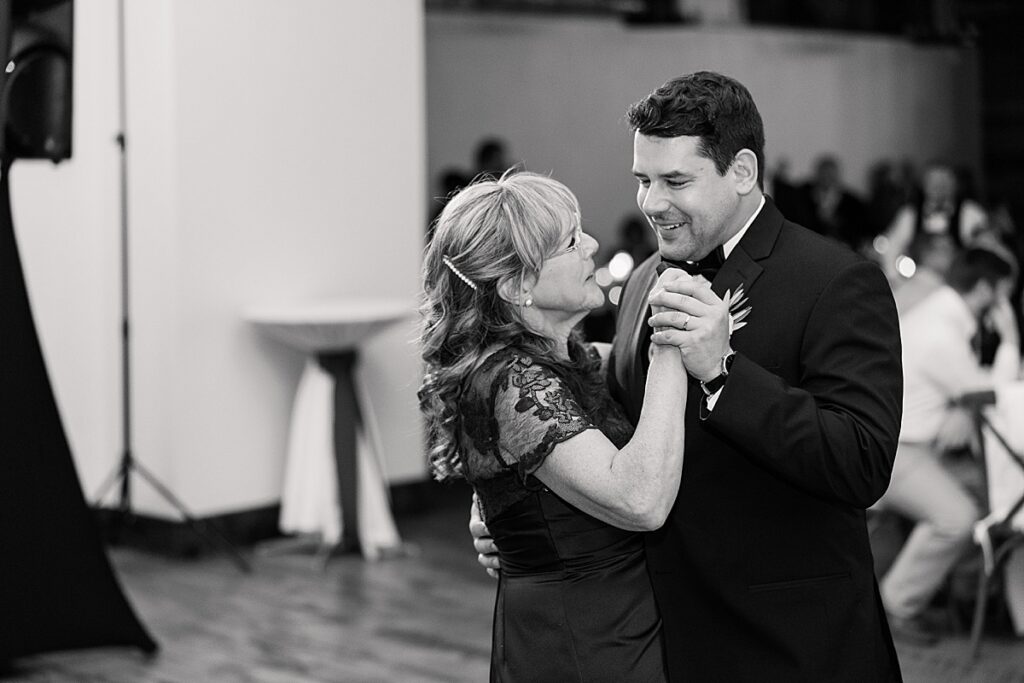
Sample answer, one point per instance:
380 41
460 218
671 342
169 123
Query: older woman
516 404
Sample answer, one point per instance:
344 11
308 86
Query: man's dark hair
974 265
707 105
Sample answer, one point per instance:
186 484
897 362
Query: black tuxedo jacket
763 570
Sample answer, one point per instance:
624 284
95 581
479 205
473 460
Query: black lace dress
574 599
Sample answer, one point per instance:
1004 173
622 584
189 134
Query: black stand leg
208 532
128 463
346 421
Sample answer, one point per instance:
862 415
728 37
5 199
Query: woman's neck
556 329
561 340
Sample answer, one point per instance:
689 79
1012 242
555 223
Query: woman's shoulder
506 359
520 366
506 364
517 358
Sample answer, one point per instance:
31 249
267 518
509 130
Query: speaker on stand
36 82
57 588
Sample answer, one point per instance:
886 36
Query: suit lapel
741 268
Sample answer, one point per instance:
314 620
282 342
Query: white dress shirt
731 243
939 363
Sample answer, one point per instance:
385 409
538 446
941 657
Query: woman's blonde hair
492 234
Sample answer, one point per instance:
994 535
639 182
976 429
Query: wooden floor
425 617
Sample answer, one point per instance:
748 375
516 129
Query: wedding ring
686 322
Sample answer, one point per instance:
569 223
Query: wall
276 153
557 89
267 164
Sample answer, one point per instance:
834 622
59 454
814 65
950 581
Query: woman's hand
660 303
687 314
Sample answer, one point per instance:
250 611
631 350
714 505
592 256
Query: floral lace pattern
516 410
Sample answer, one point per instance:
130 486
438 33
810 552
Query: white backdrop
270 160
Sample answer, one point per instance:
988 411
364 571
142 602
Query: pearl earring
528 302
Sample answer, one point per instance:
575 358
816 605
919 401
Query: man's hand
1003 320
689 315
482 541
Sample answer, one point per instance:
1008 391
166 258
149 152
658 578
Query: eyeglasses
574 241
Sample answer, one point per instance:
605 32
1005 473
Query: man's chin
675 253
679 249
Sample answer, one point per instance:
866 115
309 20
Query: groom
763 571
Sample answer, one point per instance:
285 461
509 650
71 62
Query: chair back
1002 427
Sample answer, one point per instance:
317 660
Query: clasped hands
687 314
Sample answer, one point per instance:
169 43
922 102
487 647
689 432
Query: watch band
712 385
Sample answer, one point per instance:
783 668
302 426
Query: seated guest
942 208
939 365
932 257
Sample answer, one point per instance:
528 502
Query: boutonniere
739 309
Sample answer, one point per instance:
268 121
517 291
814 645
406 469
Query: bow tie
707 266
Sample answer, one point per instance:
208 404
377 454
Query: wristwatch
716 383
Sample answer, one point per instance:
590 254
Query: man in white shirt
939 365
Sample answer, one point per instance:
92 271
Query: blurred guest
932 257
832 209
786 194
939 365
941 208
450 181
987 340
1003 227
888 191
635 239
491 158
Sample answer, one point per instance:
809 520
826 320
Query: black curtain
57 588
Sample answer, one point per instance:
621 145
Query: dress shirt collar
735 239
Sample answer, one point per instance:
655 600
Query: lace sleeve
534 411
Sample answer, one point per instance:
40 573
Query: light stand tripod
129 463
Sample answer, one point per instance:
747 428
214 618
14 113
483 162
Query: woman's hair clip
458 273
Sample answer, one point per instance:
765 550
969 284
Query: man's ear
744 171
